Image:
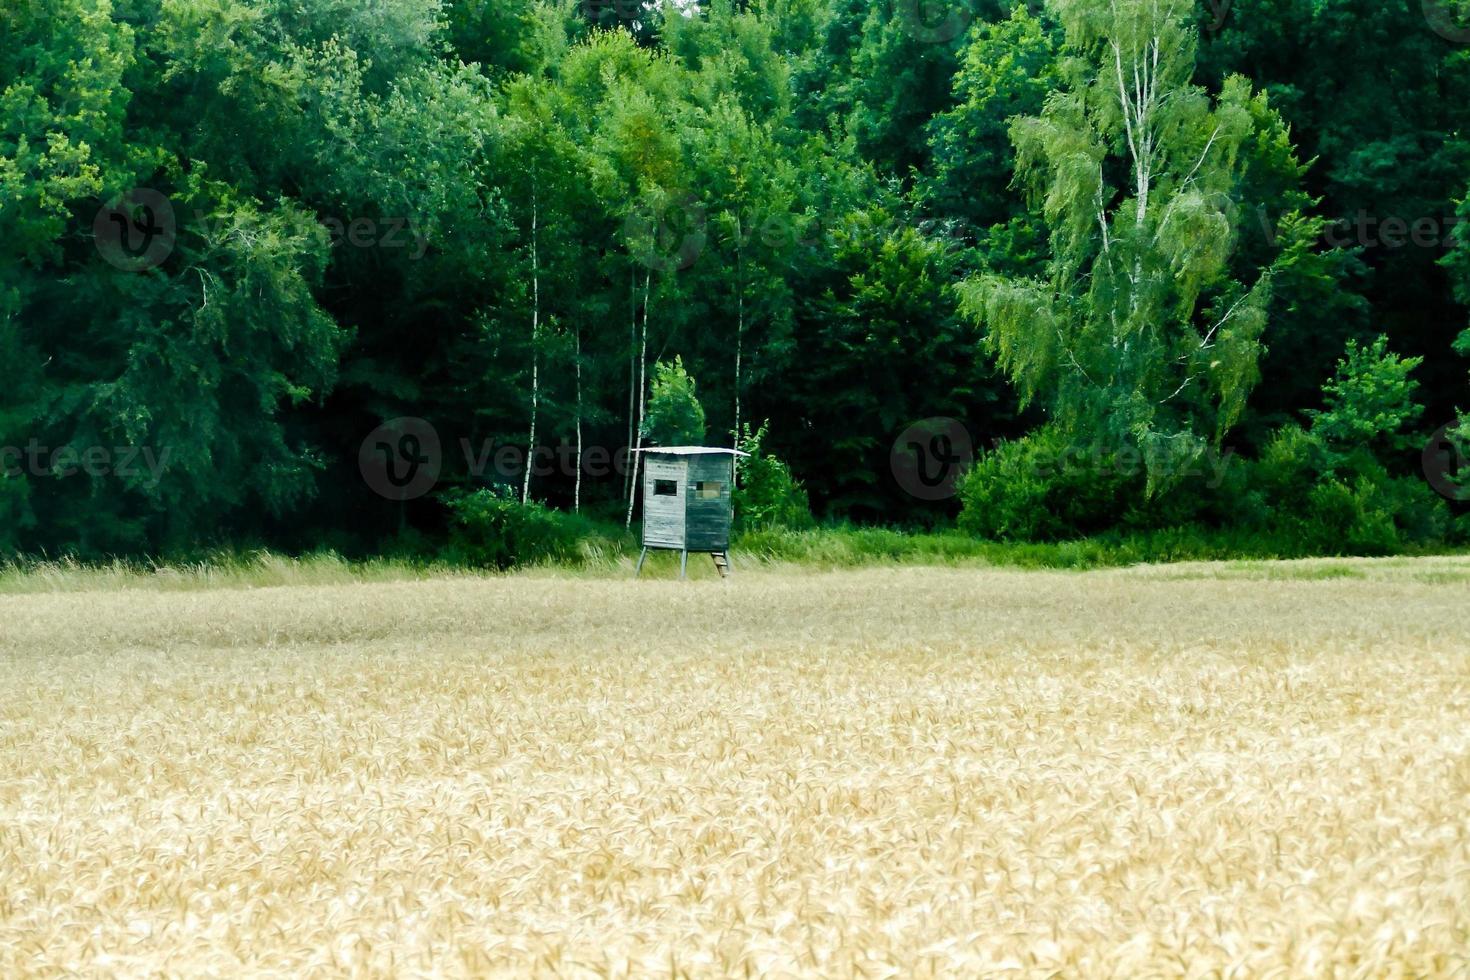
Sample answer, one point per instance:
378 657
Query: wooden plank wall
708 522
664 517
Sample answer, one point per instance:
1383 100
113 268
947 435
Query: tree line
239 237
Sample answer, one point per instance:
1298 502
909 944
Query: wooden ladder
722 563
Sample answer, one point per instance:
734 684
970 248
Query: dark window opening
665 488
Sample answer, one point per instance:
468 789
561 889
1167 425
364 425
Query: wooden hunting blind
686 502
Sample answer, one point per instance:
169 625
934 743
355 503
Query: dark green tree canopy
243 234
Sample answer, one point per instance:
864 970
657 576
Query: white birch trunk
577 487
632 375
642 398
535 354
739 322
1138 121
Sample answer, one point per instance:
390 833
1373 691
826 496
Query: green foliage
674 416
510 36
881 72
491 528
1044 488
459 210
1377 173
766 494
1008 69
1140 334
879 346
1329 489
1332 486
1313 306
1369 401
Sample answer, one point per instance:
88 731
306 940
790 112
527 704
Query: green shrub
1345 518
1274 491
1337 502
766 494
491 528
1217 494
1290 465
1372 515
1335 485
1040 488
1369 400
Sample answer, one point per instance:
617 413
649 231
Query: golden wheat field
1257 770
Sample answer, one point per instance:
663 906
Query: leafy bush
1041 488
1357 504
1213 493
491 528
1372 513
1290 465
1341 502
1330 489
766 494
1459 532
1369 401
674 416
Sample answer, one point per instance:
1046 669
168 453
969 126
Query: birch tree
535 340
551 198
1139 333
642 156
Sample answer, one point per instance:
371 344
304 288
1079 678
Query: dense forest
1161 265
